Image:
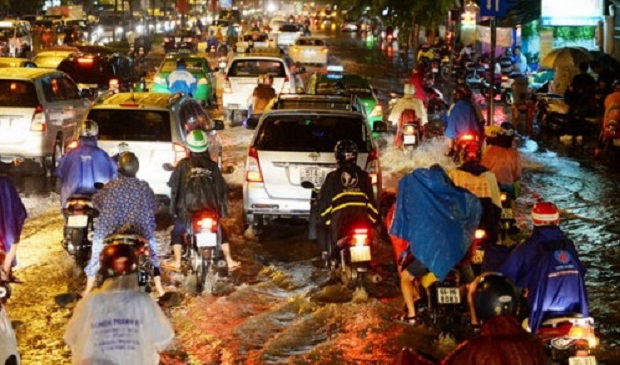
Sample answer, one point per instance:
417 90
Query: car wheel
50 163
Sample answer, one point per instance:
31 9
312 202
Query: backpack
200 193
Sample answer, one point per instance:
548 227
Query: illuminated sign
571 12
468 18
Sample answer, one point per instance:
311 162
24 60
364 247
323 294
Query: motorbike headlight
503 197
377 111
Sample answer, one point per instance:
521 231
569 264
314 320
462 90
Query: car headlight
100 30
140 28
119 30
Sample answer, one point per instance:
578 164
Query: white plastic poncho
8 342
408 103
118 325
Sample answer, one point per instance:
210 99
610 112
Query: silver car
292 146
39 110
154 127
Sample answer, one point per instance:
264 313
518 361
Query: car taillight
373 166
38 120
252 168
480 233
71 145
377 111
85 61
189 40
205 222
360 237
114 85
180 152
227 87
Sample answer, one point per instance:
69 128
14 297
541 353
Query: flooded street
281 307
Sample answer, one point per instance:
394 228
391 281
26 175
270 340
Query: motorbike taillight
409 129
467 137
205 222
583 331
359 237
503 197
480 234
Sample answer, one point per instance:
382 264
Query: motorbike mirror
307 185
379 127
99 185
168 166
218 124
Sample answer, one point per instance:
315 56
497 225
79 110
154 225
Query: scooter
80 222
443 301
466 144
569 340
146 272
204 250
411 136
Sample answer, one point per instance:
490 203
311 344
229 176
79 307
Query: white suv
242 77
39 110
154 127
292 146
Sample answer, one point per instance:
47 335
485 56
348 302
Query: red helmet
545 214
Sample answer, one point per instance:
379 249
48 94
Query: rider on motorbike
263 94
407 102
122 203
547 266
346 198
84 165
461 118
198 144
502 340
181 80
118 324
501 158
12 217
425 54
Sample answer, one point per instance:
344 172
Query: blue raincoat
82 167
182 80
12 214
437 218
547 264
460 119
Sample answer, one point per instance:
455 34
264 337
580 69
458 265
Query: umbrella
566 57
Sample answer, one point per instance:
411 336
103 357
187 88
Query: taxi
336 81
197 66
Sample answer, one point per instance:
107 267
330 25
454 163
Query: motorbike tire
76 237
201 273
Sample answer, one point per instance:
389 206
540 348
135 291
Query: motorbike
442 301
466 144
204 250
506 87
437 104
508 223
474 73
552 111
486 85
146 271
569 340
80 222
411 136
611 140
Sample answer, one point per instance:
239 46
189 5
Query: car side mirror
86 93
218 125
379 127
168 166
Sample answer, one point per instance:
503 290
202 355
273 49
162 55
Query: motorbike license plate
77 221
582 360
507 213
206 239
409 139
448 295
435 69
360 254
617 142
314 175
478 257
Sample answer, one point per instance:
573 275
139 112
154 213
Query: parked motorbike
552 111
80 221
486 85
569 340
437 104
466 144
204 250
474 73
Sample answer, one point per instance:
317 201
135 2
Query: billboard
571 12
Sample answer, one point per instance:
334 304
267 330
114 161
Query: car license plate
206 239
314 175
507 213
448 295
582 360
409 139
478 257
77 221
617 142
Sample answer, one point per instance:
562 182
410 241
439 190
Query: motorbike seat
80 196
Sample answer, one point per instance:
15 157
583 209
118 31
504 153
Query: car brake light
71 145
85 61
114 85
189 39
373 167
180 152
480 233
504 78
38 120
205 222
227 87
360 237
252 168
377 110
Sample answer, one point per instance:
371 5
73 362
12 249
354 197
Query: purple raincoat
12 214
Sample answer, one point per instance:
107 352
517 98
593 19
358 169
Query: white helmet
408 89
89 128
197 141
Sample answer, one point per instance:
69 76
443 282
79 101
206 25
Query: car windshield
318 133
289 28
193 66
18 94
132 125
254 68
314 103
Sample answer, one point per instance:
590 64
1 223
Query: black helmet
128 164
346 152
118 259
495 295
181 62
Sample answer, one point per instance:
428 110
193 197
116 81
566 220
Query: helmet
408 89
492 131
118 259
181 62
128 164
507 129
197 141
545 214
346 151
89 128
495 295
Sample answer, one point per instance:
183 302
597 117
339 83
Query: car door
75 107
55 107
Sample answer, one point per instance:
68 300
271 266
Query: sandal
408 320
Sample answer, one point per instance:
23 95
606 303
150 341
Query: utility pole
490 111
